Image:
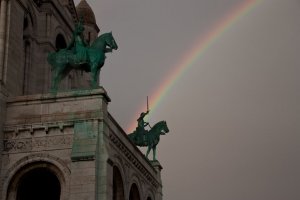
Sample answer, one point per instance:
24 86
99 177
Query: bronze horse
65 60
150 138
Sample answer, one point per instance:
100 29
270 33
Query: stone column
3 14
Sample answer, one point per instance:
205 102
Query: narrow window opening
60 42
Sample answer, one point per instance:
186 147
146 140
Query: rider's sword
148 109
147 104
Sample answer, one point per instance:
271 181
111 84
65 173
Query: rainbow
195 53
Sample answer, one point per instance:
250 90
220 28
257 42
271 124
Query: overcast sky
234 116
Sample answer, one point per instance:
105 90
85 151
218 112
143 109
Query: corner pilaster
157 166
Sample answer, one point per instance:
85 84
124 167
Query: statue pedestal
157 166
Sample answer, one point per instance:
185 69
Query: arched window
60 42
39 183
134 193
25 23
27 38
27 63
118 188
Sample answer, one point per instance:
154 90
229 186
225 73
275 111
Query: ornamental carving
32 144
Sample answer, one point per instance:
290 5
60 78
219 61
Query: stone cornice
60 95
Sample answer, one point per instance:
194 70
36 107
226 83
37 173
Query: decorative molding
37 126
66 119
132 158
36 158
37 143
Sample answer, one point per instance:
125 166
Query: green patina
143 138
79 55
85 141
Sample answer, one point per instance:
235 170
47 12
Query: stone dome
84 10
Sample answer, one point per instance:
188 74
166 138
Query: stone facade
65 145
33 29
73 135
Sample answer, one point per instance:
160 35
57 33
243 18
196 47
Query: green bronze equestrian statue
79 55
145 138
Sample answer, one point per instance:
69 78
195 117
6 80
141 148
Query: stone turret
91 29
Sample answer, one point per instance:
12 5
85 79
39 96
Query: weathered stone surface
85 141
74 132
